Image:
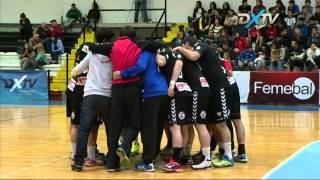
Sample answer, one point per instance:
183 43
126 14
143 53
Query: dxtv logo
20 83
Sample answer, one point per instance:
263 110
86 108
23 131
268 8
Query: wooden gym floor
34 144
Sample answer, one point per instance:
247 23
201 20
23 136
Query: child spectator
25 28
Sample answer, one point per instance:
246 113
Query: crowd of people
48 39
291 43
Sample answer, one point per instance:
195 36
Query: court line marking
28 117
289 158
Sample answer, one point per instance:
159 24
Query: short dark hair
191 40
314 27
73 4
104 34
22 15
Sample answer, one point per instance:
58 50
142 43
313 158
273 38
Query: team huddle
147 87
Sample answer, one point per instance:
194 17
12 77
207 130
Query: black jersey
211 66
192 73
181 86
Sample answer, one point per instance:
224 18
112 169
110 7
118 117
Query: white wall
45 10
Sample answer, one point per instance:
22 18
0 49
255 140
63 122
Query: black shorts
200 102
76 100
180 110
235 102
219 105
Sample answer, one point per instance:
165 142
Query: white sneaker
203 165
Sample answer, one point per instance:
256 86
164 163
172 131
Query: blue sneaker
241 158
141 166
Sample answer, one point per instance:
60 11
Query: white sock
206 152
91 152
73 150
227 149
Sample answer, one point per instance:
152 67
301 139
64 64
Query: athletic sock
227 149
73 150
241 149
177 154
188 150
206 152
91 152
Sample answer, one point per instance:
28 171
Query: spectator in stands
281 9
258 7
308 7
314 37
247 58
299 38
212 11
304 28
198 10
285 39
277 57
254 34
240 43
26 51
93 15
231 54
25 28
204 24
230 21
57 49
41 58
313 22
141 4
263 54
216 27
44 31
294 8
295 56
317 13
290 20
313 57
223 38
225 9
34 41
244 7
271 32
29 64
305 13
73 16
56 29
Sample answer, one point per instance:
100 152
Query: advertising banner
23 86
290 88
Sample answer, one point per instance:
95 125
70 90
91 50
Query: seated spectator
212 12
317 13
277 57
240 43
313 22
299 38
34 41
197 12
294 8
247 58
308 8
285 39
304 28
179 39
313 57
244 7
57 49
94 14
263 55
223 38
314 37
305 13
230 21
73 16
295 56
204 24
25 28
29 64
26 51
216 27
56 29
290 20
258 7
41 57
225 8
231 54
254 34
44 31
271 32
281 9
182 29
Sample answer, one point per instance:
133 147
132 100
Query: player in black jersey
180 109
219 111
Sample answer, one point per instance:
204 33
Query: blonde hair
40 48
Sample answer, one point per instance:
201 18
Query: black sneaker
197 158
76 167
186 160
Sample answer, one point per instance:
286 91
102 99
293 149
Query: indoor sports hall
270 51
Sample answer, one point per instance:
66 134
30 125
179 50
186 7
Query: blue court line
304 164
